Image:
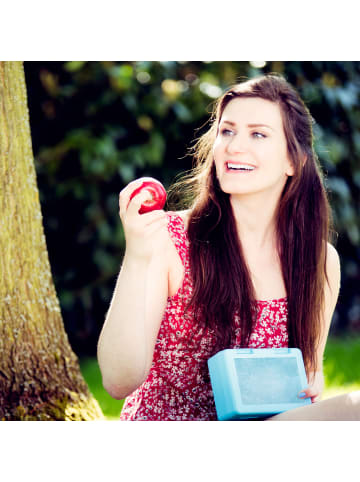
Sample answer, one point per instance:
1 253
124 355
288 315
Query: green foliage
98 125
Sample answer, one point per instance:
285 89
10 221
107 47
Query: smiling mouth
231 166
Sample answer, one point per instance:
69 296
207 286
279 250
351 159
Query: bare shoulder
333 259
333 269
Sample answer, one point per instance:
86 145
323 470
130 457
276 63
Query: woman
248 264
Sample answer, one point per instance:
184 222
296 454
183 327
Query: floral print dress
178 384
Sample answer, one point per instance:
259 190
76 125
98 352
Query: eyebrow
248 125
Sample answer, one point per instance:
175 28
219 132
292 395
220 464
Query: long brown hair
222 286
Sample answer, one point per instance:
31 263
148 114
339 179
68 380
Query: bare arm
127 340
316 379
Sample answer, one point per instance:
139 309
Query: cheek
218 153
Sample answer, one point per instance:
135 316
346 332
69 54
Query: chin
231 188
242 189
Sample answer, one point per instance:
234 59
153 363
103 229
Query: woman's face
250 150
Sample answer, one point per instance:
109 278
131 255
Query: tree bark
40 378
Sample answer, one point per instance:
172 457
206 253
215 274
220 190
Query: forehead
252 110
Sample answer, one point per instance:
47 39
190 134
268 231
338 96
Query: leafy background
98 125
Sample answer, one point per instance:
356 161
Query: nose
236 144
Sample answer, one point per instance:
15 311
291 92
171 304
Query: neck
255 220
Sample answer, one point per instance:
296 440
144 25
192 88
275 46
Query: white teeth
230 165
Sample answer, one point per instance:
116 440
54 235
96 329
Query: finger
131 206
136 202
153 216
125 194
156 226
307 393
303 395
152 223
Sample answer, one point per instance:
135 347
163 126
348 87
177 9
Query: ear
290 171
290 168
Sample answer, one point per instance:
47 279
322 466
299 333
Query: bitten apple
157 192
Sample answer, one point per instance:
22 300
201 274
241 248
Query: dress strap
178 234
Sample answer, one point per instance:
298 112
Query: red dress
178 384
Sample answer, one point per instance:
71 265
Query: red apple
157 192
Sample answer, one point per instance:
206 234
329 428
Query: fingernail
302 395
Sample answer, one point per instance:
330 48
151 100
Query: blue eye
258 135
226 132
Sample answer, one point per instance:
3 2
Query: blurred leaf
183 112
73 66
154 150
340 187
103 260
121 77
337 149
127 172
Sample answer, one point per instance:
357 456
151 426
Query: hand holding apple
157 191
145 234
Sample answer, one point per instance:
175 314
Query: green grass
342 365
341 370
91 372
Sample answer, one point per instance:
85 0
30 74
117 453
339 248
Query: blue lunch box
257 382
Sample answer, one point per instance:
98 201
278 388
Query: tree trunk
40 378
